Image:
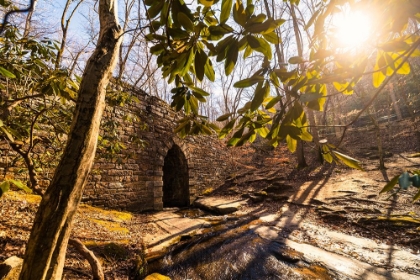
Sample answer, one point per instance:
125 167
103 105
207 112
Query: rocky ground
321 222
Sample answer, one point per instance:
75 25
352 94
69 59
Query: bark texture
45 252
97 271
300 152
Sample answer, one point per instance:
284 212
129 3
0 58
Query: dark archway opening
175 179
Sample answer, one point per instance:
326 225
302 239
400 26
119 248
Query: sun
352 28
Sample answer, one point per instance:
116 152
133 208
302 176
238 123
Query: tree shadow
237 251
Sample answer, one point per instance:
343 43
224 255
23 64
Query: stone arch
176 189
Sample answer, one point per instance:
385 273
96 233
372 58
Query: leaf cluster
187 38
36 100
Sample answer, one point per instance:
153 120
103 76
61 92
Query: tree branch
6 16
97 271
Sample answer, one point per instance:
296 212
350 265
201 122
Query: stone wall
135 181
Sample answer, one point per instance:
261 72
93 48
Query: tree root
97 271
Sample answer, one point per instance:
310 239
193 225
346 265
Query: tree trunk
315 134
300 152
378 140
28 21
403 95
64 29
97 271
394 102
45 252
336 119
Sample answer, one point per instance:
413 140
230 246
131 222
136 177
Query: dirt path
322 222
335 226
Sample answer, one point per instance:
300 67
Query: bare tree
45 251
65 23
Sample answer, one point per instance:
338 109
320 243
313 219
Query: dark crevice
175 179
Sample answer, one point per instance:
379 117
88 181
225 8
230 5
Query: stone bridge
167 172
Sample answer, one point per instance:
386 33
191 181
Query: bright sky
352 29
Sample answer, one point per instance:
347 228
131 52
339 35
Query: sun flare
352 29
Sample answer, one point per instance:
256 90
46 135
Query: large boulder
218 205
10 268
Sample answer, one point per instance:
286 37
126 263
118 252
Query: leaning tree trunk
45 252
300 152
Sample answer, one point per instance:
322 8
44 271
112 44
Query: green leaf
263 131
224 117
404 69
6 73
390 185
199 90
209 71
349 161
248 82
20 185
253 42
207 3
185 21
4 187
266 27
261 92
199 96
296 60
206 130
273 102
378 75
306 136
188 63
225 12
149 2
231 58
291 143
395 46
8 134
157 49
187 106
218 31
326 154
239 14
284 75
193 104
249 10
264 48
165 11
227 128
222 46
181 126
155 9
417 196
200 61
233 142
272 38
378 78
274 79
257 19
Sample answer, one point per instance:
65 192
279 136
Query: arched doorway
175 179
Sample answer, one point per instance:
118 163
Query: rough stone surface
136 182
172 226
219 205
10 268
134 178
